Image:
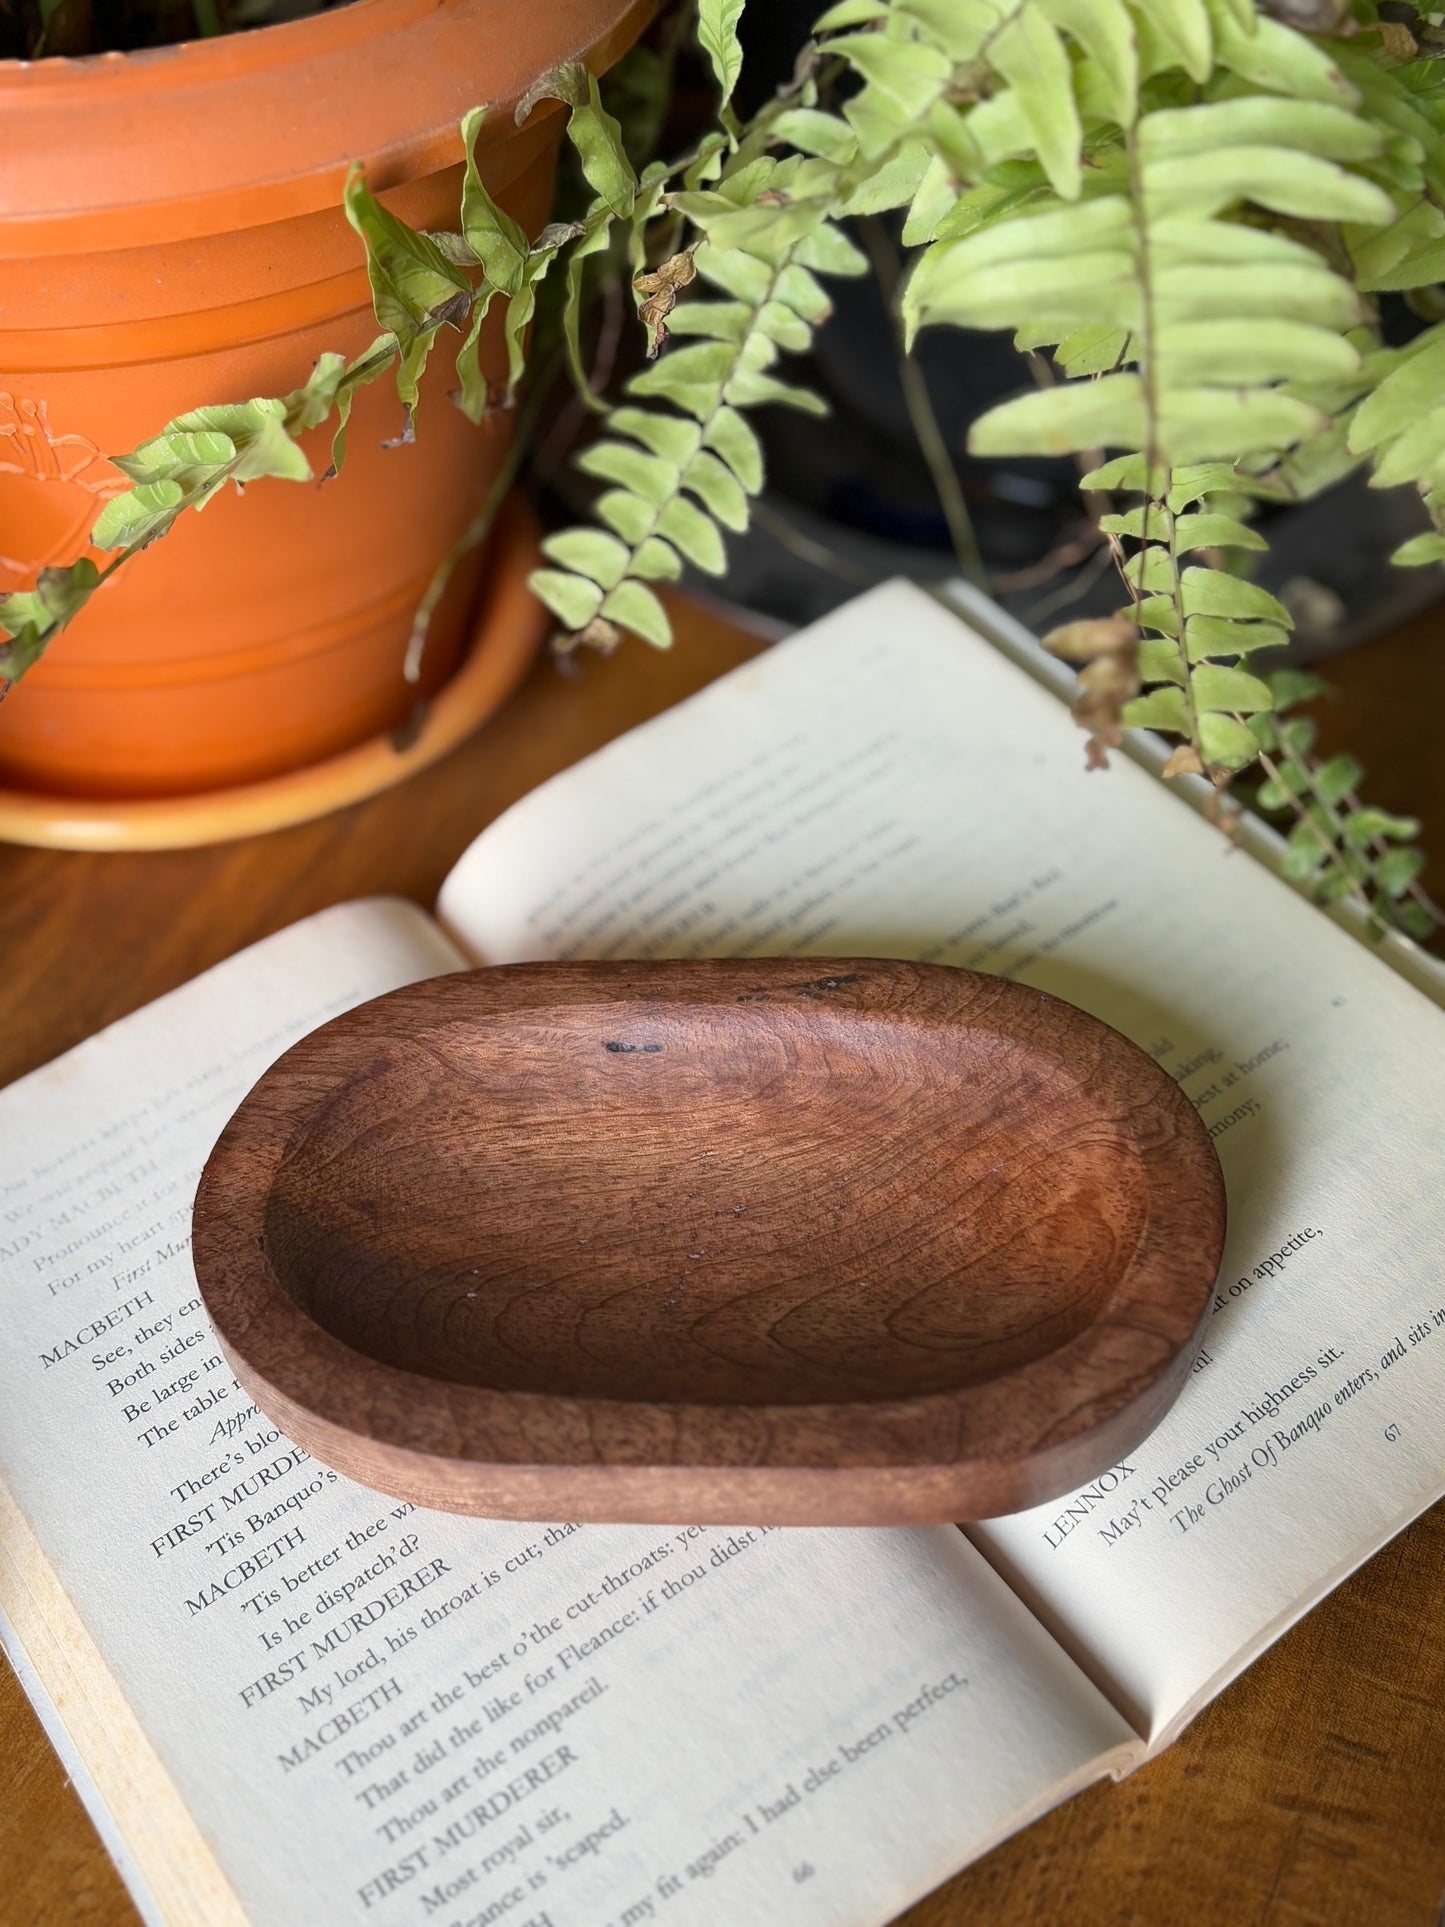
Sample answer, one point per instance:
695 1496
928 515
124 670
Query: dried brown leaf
660 287
1184 762
1093 637
599 634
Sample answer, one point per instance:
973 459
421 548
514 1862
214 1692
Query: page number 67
1392 1433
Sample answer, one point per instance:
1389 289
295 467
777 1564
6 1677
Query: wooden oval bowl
845 1243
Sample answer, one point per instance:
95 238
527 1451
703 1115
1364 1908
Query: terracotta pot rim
115 150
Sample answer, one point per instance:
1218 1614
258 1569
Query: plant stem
480 526
208 18
926 431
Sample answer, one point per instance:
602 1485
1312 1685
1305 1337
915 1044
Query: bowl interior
711 1203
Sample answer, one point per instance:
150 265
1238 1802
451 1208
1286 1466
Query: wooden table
1312 1792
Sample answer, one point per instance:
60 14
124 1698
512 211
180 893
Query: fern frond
683 471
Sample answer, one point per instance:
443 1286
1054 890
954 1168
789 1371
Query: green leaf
1206 636
596 238
816 133
1396 870
597 139
1262 729
804 294
1186 289
718 490
1160 709
571 598
635 607
523 305
1199 423
601 558
1154 612
138 516
1158 661
891 183
693 534
1253 120
1124 472
177 456
1304 852
1337 777
1293 781
1411 454
1091 351
269 452
415 290
830 252
1280 178
1419 550
1363 826
657 561
1279 60
1217 687
1184 26
309 406
1192 481
717 34
1209 592
718 320
1032 57
1226 744
594 134
1251 351
750 390
1209 531
669 436
691 378
934 197
1058 421
1106 33
1414 919
1291 686
730 436
34 617
1298 736
646 475
1151 570
368 367
741 275
909 74
628 514
1097 288
491 233
474 394
1401 397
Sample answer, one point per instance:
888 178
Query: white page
887 784
380 1714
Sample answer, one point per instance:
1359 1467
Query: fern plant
1182 210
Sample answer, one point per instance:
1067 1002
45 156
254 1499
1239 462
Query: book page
887 784
362 1712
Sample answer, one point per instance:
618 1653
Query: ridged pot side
193 249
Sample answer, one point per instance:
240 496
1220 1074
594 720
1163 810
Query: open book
288 1699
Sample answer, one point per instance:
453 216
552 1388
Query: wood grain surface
760 1242
1312 1792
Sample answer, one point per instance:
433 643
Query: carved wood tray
818 1242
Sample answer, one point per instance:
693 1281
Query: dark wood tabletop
1313 1791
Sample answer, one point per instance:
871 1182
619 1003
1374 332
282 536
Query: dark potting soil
31 29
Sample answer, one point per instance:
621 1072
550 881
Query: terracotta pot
171 234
